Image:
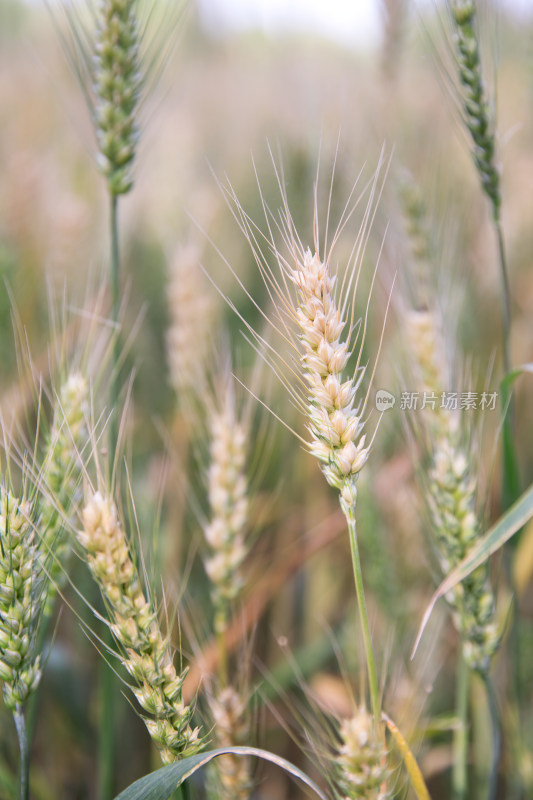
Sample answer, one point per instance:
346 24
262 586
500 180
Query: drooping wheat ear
361 760
452 504
335 422
192 312
20 600
228 498
478 113
231 726
59 505
144 651
117 84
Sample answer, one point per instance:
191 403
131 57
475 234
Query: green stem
496 737
106 739
506 299
510 476
24 770
106 743
367 639
460 739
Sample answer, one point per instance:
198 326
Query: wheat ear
478 116
117 83
230 715
62 478
360 760
21 604
225 535
225 531
144 651
451 498
21 581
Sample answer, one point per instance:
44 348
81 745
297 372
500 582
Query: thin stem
115 308
106 743
221 626
359 588
506 299
496 737
106 739
460 739
510 475
24 769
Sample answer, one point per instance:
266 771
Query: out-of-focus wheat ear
228 499
143 649
117 85
61 476
414 213
231 779
192 317
360 761
451 493
478 114
450 490
394 13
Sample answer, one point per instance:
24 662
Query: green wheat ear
21 580
117 85
477 111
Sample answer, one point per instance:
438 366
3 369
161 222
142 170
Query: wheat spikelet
144 652
20 602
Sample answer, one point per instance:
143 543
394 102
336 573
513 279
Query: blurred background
241 85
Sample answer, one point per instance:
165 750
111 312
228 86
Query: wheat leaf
160 784
515 373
